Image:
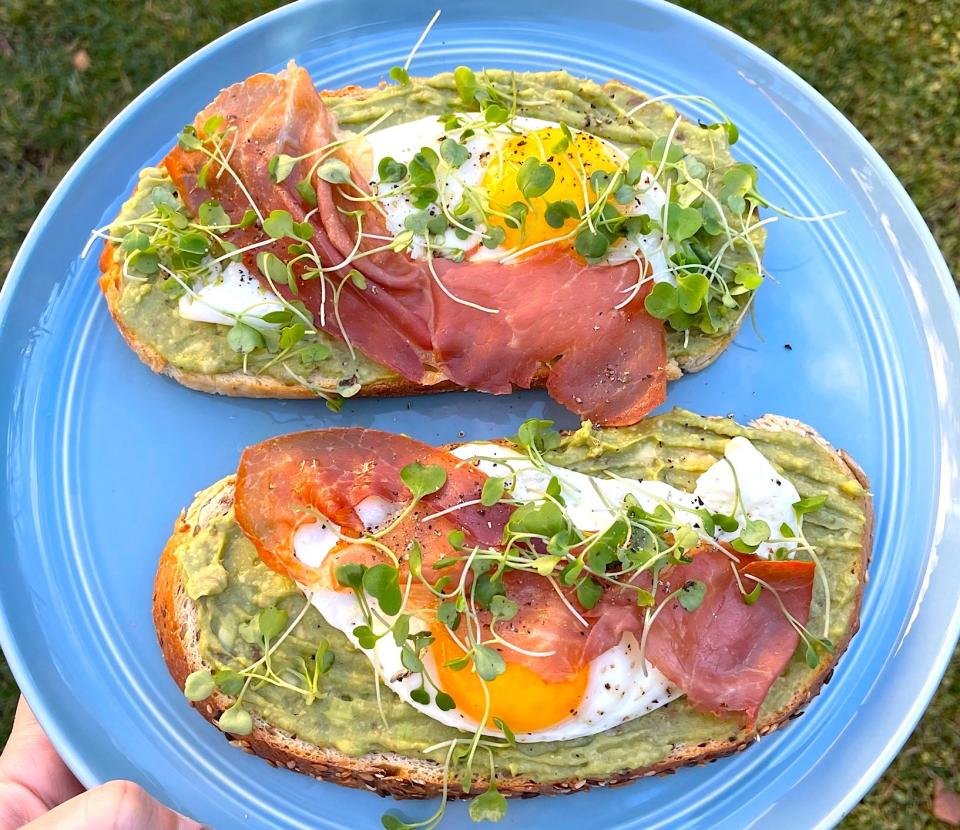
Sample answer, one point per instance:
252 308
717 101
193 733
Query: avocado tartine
485 230
533 615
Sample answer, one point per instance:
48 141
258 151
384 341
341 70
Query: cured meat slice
727 654
553 310
267 115
284 482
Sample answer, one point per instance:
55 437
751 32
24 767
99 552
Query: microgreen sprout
266 631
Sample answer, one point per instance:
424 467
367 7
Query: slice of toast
239 383
175 618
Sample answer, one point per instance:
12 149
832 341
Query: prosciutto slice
331 471
605 363
726 654
555 315
283 114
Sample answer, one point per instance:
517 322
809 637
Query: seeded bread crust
174 615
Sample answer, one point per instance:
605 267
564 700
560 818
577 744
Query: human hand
38 792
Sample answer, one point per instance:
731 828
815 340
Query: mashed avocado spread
230 585
148 304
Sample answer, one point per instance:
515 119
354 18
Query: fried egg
489 173
618 685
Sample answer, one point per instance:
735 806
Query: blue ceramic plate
100 454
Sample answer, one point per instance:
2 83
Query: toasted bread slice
238 383
175 617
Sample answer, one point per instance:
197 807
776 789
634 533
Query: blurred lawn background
68 66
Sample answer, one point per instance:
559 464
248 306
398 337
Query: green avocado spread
148 303
224 575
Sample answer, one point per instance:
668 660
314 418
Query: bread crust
410 778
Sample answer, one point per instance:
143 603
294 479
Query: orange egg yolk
519 697
572 165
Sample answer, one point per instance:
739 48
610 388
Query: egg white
224 294
620 686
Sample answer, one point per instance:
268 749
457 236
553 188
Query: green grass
892 67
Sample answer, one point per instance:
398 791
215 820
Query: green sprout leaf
334 171
423 167
747 275
365 637
444 702
809 504
755 532
448 614
187 138
273 268
751 597
272 621
193 244
423 479
507 731
466 83
503 608
488 662
557 213
307 192
199 685
591 244
280 167
683 222
492 491
638 160
495 114
691 594
589 593
278 225
228 681
244 339
517 214
212 214
546 564
382 582
389 170
323 658
542 519
534 178
236 720
453 152
674 154
400 75
644 598
495 237
692 290
662 301
350 575
488 806
536 434
137 240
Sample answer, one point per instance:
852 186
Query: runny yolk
583 156
519 697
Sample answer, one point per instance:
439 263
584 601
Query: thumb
117 805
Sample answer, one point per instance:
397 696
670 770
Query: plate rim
17 661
